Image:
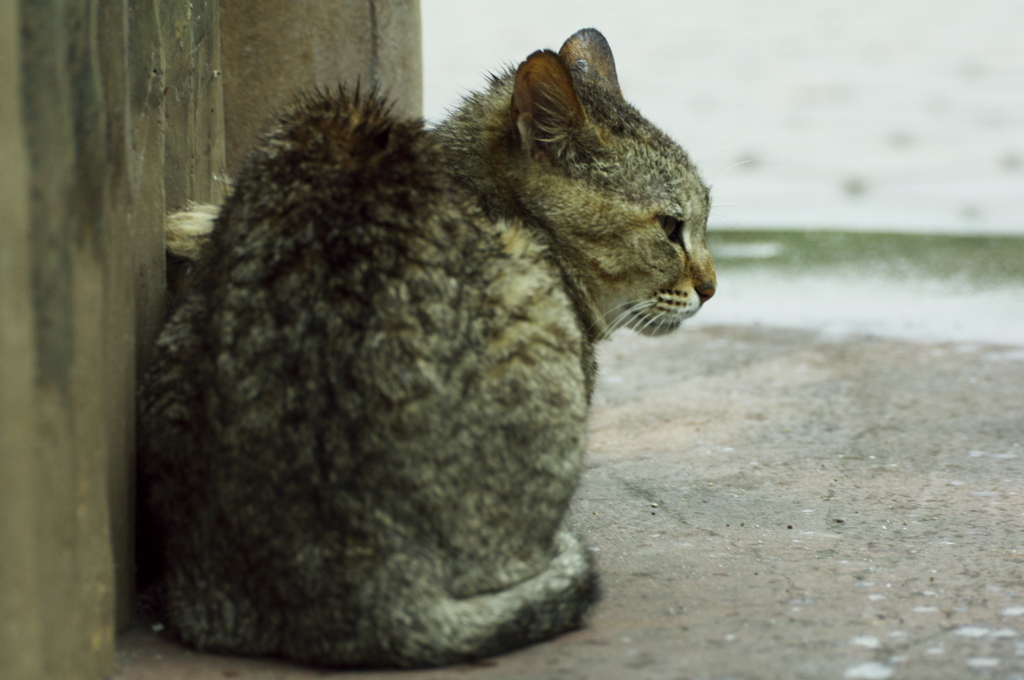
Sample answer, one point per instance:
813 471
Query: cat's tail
188 230
186 235
442 630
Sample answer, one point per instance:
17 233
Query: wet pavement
802 499
924 288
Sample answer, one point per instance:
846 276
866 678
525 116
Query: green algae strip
979 261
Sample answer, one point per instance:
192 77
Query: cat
365 419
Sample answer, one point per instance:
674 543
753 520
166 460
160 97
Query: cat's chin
662 327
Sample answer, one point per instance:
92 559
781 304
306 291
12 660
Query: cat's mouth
658 314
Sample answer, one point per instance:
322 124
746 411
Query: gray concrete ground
768 504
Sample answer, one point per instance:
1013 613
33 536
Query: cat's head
622 203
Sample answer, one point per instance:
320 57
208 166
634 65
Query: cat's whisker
613 325
653 321
632 308
720 219
650 322
735 165
626 321
631 303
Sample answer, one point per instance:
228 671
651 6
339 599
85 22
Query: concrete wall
112 113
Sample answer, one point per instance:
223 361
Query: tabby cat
365 419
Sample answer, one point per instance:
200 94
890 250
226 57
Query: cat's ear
545 107
589 57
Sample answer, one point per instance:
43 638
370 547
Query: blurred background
866 158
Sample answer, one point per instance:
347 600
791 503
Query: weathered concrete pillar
69 311
112 113
272 48
85 109
194 166
21 633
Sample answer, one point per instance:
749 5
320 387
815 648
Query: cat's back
350 280
348 253
339 191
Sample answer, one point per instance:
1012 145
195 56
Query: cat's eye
673 228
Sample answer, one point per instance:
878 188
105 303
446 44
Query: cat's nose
705 292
